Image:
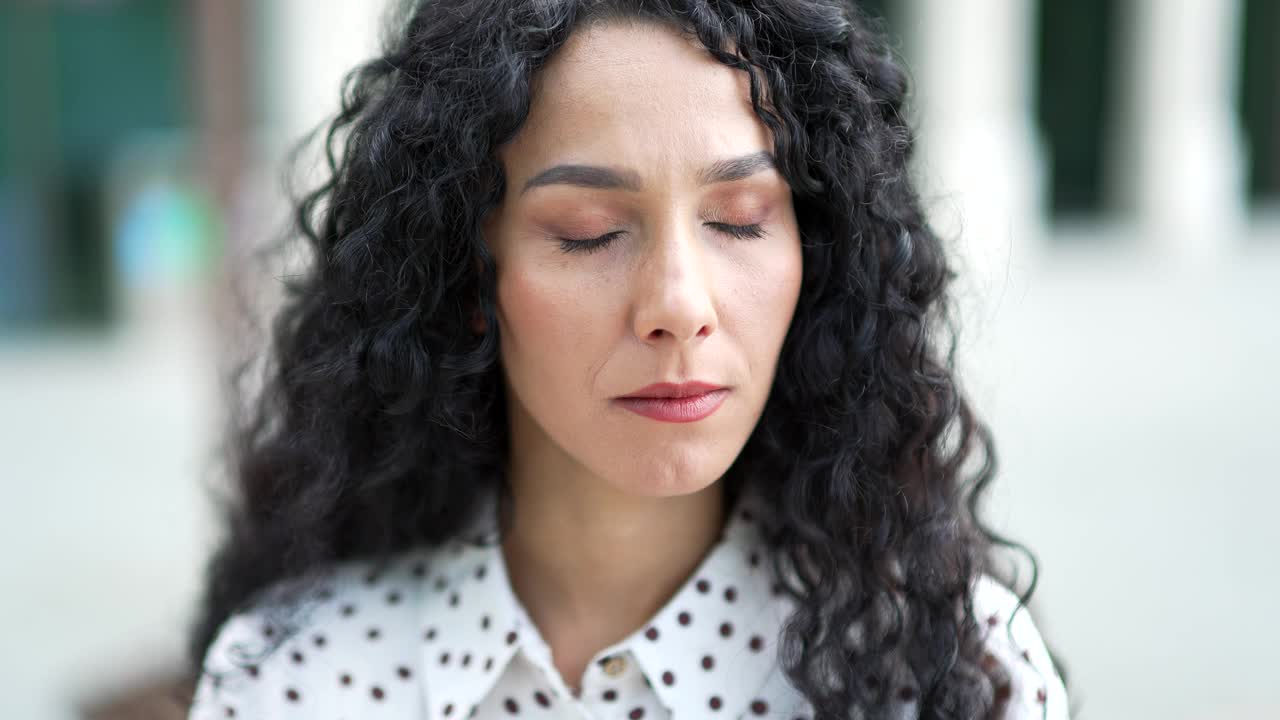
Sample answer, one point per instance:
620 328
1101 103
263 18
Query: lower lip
677 410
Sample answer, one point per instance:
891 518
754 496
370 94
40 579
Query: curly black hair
381 417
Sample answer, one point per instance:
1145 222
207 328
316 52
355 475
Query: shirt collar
726 611
466 578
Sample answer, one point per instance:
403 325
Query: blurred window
1260 99
78 80
1075 61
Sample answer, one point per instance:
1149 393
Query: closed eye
589 245
740 231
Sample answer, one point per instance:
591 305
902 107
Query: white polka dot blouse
439 634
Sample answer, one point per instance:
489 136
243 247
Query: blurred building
1108 173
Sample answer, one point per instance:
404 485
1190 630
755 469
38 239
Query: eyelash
592 244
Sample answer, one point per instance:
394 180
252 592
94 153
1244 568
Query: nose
673 301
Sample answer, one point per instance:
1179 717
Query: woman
613 390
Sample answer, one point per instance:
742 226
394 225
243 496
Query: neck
591 563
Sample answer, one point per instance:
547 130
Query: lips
675 402
674 390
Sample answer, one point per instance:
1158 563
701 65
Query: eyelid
588 245
745 231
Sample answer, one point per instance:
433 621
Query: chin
668 476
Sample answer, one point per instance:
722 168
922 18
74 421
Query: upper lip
673 390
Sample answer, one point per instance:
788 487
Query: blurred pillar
311 46
1178 151
270 73
224 101
222 67
981 167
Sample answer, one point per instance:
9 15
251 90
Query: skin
613 510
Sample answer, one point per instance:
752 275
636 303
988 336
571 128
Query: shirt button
615 665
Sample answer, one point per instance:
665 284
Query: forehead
637 94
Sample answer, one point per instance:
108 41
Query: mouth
671 402
674 390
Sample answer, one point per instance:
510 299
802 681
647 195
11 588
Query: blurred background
1108 172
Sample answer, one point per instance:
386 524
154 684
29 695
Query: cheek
767 284
545 323
528 307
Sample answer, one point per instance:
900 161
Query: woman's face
666 157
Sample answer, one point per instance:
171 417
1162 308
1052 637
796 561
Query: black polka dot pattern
442 626
696 653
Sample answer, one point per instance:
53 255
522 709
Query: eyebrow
612 178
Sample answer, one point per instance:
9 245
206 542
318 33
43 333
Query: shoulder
1034 688
347 640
